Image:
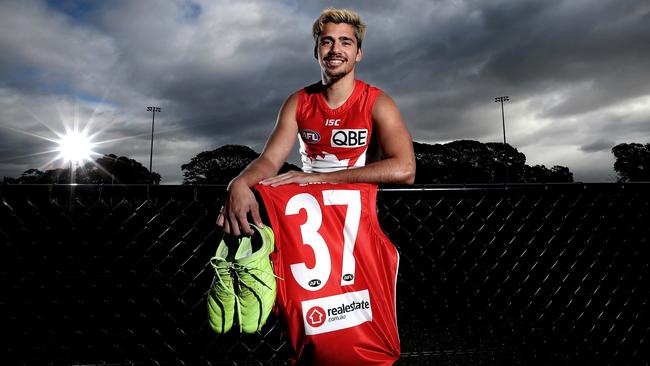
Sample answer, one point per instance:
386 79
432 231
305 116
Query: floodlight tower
153 111
502 99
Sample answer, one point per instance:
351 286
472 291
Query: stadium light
153 111
502 99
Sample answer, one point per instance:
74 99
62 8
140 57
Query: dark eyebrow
342 38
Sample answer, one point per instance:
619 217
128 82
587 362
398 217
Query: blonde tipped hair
337 16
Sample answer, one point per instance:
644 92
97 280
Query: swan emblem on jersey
328 161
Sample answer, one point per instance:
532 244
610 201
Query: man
338 35
338 307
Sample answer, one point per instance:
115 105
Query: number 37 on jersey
315 277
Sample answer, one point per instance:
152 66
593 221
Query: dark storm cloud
576 72
599 145
525 49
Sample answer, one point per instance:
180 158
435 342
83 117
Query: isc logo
349 138
332 122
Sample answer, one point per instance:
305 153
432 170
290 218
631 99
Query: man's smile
334 61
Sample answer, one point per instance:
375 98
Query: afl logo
314 283
310 136
348 277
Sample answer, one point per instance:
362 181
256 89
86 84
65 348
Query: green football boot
221 297
254 279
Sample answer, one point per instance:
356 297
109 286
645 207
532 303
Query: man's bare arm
240 199
398 165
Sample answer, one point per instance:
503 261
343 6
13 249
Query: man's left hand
293 176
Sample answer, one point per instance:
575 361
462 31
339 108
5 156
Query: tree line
107 169
457 162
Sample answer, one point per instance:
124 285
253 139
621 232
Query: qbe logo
349 138
316 316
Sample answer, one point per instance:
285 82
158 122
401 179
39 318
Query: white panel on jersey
332 313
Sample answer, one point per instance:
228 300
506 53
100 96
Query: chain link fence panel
489 275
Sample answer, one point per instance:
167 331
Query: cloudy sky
577 73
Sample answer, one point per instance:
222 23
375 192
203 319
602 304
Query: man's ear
359 55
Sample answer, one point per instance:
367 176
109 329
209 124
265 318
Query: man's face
338 51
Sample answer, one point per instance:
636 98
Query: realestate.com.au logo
336 312
316 316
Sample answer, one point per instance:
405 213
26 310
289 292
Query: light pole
153 111
502 99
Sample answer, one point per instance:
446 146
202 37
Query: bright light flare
75 147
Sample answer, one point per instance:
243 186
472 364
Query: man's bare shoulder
384 100
290 104
385 108
294 96
315 88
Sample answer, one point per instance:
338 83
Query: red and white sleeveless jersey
334 139
338 273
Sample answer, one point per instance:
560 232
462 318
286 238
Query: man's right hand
240 200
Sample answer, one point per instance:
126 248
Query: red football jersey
338 273
334 139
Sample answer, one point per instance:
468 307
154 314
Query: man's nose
336 46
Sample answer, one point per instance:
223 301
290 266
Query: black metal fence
489 275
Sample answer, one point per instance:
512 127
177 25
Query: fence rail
489 274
